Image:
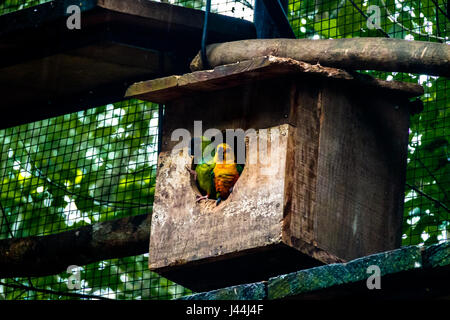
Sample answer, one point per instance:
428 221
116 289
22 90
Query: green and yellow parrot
226 172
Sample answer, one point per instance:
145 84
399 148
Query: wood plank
175 18
310 280
301 173
361 172
252 291
51 254
406 273
41 30
228 228
77 77
390 55
166 89
120 42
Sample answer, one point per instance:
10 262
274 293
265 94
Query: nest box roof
165 89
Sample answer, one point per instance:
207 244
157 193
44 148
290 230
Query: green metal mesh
95 165
77 169
242 9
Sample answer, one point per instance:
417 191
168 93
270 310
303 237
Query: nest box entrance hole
203 151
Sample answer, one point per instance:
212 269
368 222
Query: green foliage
342 19
7 6
194 4
429 168
80 168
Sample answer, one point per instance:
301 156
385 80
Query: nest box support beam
45 255
392 55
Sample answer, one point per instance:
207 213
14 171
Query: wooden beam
406 273
52 254
392 55
41 30
120 42
169 88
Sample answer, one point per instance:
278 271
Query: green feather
205 184
204 169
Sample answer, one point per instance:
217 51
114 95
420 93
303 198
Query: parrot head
224 154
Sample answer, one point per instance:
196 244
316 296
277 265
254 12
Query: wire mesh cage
77 169
100 164
242 9
7 6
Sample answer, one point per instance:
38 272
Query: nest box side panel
361 171
301 170
184 231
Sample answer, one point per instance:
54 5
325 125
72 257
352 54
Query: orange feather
226 176
225 171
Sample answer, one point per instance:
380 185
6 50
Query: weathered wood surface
345 173
45 255
238 107
302 170
175 18
337 274
318 204
436 256
79 70
352 54
360 172
251 291
185 231
169 88
406 273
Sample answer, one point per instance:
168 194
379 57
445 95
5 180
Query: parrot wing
203 177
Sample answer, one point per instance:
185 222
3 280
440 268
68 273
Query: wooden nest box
336 189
